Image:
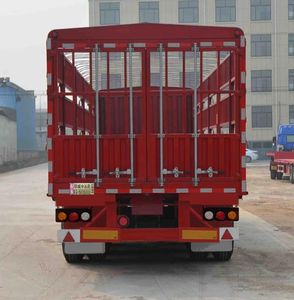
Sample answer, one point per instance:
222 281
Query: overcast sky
24 27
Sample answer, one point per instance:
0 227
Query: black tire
224 255
198 256
96 257
72 258
279 176
248 159
292 174
273 175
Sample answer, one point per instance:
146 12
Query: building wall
8 149
12 96
279 26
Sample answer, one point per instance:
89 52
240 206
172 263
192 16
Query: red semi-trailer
146 136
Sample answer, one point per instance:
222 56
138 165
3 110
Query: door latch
117 172
84 173
176 172
209 172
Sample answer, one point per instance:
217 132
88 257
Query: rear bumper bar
115 235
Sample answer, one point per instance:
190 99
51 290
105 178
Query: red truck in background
146 136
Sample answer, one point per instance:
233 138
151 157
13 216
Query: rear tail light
61 216
123 221
73 215
221 214
232 215
85 216
209 215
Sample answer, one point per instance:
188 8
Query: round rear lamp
220 215
85 216
208 215
61 216
123 221
73 216
232 215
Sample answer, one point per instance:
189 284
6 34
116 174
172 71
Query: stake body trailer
146 136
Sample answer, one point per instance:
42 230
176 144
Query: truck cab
285 138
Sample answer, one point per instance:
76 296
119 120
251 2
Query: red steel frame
220 106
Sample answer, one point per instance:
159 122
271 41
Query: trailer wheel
72 258
273 175
292 174
224 255
279 175
198 256
96 257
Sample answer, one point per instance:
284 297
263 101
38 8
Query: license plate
82 188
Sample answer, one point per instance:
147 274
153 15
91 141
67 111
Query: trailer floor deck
32 266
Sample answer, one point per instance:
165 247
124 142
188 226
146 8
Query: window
225 10
261 45
149 12
291 80
291 9
261 81
188 11
291 114
262 116
291 44
109 13
260 10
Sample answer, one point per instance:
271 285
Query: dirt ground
271 200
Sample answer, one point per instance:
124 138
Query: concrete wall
8 149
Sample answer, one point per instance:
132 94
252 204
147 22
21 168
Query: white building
269 29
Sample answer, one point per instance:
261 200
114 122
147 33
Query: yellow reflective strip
199 234
100 234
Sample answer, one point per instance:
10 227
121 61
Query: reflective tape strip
75 233
109 45
208 190
182 191
50 189
230 191
173 45
50 166
111 191
158 191
243 77
64 191
100 234
205 44
68 46
48 44
243 114
243 137
230 44
243 162
49 143
209 234
244 186
242 41
139 45
49 79
49 119
135 191
228 233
